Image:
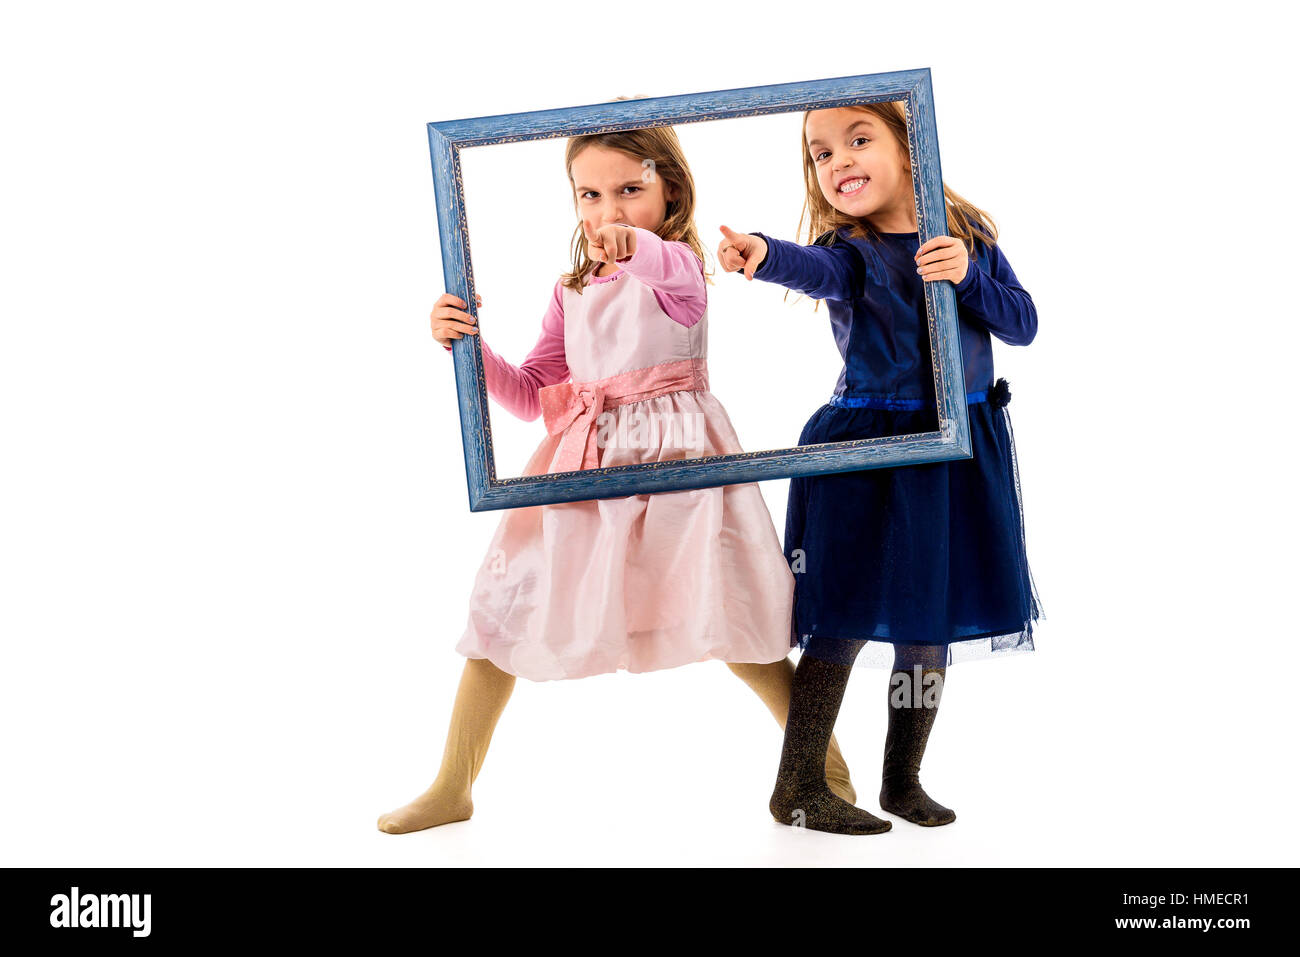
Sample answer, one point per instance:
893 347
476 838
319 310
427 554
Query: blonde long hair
658 146
821 216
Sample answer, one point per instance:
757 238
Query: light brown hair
821 216
658 146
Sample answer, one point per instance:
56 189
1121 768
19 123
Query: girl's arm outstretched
820 271
672 270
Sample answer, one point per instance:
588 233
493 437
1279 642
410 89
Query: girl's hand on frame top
612 243
942 258
449 320
741 251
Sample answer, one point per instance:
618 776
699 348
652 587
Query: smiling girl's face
613 187
861 168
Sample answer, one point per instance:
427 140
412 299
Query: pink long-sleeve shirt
671 269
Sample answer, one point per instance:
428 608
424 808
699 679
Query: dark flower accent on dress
1000 394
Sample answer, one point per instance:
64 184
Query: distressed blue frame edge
486 491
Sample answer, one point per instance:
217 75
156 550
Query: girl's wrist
767 251
643 236
967 280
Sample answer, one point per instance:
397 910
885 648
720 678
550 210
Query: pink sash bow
572 408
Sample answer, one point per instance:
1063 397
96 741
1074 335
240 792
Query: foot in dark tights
801 797
913 705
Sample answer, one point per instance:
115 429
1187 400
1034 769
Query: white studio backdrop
235 549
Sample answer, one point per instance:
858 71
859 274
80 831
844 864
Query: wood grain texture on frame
486 491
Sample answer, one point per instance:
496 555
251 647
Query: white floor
1042 757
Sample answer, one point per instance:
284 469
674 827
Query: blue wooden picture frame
487 491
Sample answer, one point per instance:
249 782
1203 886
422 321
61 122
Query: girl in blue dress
925 563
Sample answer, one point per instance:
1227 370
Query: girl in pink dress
619 376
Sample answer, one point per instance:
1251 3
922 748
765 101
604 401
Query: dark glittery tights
801 797
915 687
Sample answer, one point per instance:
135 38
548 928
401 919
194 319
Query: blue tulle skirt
926 563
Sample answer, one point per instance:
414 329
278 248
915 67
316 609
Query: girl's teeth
853 185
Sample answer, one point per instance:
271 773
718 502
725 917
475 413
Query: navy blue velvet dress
925 562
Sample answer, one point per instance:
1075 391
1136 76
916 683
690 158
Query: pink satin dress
644 582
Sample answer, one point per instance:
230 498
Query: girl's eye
590 194
632 189
818 156
860 139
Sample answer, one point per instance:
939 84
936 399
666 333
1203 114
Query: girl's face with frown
861 168
613 187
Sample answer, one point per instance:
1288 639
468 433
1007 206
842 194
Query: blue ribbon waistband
895 403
